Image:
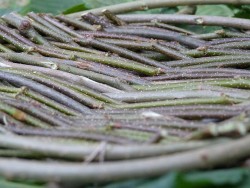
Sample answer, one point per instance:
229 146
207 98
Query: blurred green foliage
227 178
70 6
231 178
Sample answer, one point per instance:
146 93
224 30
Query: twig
21 81
113 18
211 156
148 4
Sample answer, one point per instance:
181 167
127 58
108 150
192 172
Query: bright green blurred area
52 6
70 6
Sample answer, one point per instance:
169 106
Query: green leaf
50 6
241 11
161 182
219 177
126 184
76 8
216 178
200 29
168 180
89 4
228 178
8 184
5 11
66 6
245 184
212 10
9 6
167 10
101 3
215 10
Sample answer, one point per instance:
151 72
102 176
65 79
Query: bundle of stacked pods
114 97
